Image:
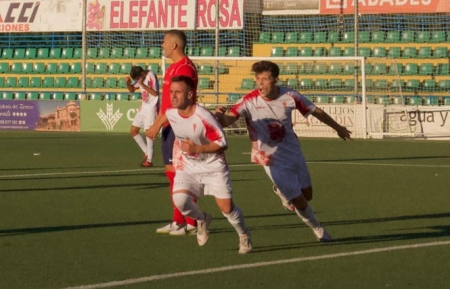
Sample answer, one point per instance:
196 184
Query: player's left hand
188 146
344 133
152 132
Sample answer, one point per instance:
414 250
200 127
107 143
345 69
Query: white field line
232 166
257 264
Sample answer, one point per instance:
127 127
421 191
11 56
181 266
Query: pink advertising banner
384 6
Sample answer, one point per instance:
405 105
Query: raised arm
342 131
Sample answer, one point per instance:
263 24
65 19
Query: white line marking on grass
254 265
379 164
232 166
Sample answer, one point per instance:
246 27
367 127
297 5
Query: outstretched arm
223 117
152 131
342 131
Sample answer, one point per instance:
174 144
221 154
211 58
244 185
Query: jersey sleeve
213 130
304 105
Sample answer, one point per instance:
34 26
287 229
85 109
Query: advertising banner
108 116
118 15
39 115
36 16
349 116
103 15
384 6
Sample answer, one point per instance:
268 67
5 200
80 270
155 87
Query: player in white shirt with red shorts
199 162
147 82
268 114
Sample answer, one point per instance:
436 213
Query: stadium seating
264 37
397 84
349 84
277 37
414 100
123 96
32 95
92 53
2 81
443 85
16 67
426 69
407 36
35 81
337 99
205 69
333 37
222 51
70 96
412 85
57 96
320 68
100 68
30 53
48 81
335 84
394 52
392 37
67 53
429 85
292 83
334 52
11 81
51 68
348 37
19 53
72 82
60 82
104 53
305 37
379 69
111 82
423 36
322 99
437 36
75 67
378 37
27 67
23 82
431 100
395 68
305 84
424 52
38 67
291 68
348 69
204 51
379 52
292 37
77 53
276 52
291 52
349 51
411 69
7 95
319 37
440 52
247 84
319 51
142 52
363 36
364 51
45 96
4 67
63 68
442 69
409 52
117 52
204 83
335 68
306 68
154 67
234 51
42 53
7 53
380 84
55 53
305 52
321 84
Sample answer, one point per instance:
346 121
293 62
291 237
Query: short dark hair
136 72
186 79
180 35
265 65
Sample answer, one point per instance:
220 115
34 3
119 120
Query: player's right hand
152 132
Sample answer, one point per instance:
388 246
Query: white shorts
144 118
290 180
215 184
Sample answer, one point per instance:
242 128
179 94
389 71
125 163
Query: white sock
187 206
236 219
141 142
307 216
149 149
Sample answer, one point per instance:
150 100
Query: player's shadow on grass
85 176
379 159
52 168
145 185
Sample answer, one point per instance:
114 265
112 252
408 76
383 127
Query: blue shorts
167 140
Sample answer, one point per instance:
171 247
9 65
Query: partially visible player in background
173 47
199 162
147 82
268 114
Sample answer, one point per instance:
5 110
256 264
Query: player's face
179 95
266 83
166 46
